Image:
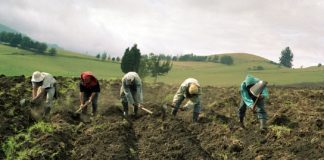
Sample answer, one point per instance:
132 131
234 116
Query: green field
15 61
20 62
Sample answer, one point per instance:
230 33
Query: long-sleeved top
48 81
184 91
93 86
132 83
246 95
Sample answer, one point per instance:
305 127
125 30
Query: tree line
225 59
104 56
25 42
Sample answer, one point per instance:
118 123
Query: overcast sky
202 27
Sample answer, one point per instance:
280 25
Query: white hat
37 77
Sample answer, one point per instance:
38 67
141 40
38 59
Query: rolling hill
14 61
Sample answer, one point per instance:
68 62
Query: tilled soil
295 119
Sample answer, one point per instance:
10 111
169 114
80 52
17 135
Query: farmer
190 89
43 84
131 92
249 99
89 91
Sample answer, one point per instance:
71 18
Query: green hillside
15 61
209 73
4 28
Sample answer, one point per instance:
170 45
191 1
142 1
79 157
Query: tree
98 56
26 43
52 52
126 62
103 56
158 67
144 68
286 57
319 65
131 60
113 59
41 48
15 39
226 60
118 59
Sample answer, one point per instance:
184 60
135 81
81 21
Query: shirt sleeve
245 96
127 92
179 93
81 87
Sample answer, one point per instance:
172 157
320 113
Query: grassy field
20 62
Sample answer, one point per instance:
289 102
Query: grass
20 62
14 61
14 146
280 131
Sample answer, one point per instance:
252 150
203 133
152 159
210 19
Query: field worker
131 92
89 92
43 83
190 89
248 100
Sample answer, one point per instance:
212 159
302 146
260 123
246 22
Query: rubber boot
47 111
195 117
94 111
263 125
242 122
174 112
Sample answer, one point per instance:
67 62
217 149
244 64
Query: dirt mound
295 128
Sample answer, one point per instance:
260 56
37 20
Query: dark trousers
94 102
125 103
261 113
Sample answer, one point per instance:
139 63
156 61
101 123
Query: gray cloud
174 26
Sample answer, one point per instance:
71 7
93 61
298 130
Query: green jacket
250 80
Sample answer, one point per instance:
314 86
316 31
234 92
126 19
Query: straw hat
193 88
37 77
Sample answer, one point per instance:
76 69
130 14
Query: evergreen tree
26 43
126 62
15 39
226 60
103 56
286 57
158 67
41 47
52 52
144 68
98 56
131 60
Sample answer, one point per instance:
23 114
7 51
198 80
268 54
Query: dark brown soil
295 125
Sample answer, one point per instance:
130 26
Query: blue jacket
250 80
